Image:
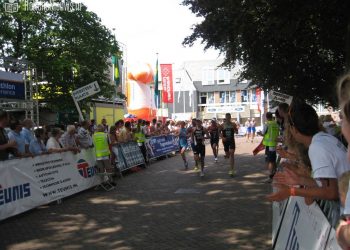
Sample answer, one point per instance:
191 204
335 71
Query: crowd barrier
161 145
128 155
27 183
296 226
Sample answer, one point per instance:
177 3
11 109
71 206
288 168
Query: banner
161 145
258 98
303 227
132 154
167 82
278 209
11 85
30 182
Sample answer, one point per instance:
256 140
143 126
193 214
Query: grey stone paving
147 211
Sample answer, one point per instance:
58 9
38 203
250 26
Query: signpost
280 97
84 92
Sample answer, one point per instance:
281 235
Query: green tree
67 49
297 47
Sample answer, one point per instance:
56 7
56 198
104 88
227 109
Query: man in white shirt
327 155
84 138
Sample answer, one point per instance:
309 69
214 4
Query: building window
232 96
223 76
211 97
244 96
225 97
208 76
203 98
254 95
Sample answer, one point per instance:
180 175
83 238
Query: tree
296 47
67 49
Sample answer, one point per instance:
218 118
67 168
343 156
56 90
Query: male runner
214 133
182 133
199 133
228 138
190 134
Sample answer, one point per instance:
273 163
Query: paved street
162 207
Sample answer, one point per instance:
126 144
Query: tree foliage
294 46
67 49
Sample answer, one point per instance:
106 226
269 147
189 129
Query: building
205 90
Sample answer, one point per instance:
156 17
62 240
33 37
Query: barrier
302 227
31 182
161 145
128 155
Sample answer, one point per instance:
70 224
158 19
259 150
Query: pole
78 108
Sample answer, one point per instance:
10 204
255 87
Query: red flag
258 98
167 82
259 148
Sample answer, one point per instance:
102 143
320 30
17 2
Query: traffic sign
86 91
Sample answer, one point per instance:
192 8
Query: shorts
214 141
270 156
182 145
249 130
253 130
229 145
199 150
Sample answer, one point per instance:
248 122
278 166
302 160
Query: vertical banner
258 98
167 82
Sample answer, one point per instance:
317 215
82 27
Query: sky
148 27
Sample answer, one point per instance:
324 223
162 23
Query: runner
252 128
228 138
248 129
182 133
199 133
190 134
214 133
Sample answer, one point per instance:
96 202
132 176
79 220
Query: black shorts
214 141
270 156
229 145
199 150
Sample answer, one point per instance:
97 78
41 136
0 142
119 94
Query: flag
116 75
156 90
259 148
167 83
258 98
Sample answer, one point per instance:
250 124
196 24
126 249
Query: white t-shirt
52 143
328 156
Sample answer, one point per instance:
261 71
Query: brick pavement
145 212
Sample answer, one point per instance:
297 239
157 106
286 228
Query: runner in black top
214 133
199 133
228 138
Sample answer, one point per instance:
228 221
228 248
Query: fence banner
120 160
303 227
30 182
161 145
132 155
332 243
167 83
278 209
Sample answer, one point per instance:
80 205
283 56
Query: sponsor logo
85 170
14 193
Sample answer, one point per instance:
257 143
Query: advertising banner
258 98
30 182
167 83
161 145
303 227
11 86
132 154
278 209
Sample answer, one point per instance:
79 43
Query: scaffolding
28 105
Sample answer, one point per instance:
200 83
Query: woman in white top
53 145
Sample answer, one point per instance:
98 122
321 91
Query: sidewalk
162 207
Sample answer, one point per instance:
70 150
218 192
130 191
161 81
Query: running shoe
186 165
231 173
216 159
196 168
202 173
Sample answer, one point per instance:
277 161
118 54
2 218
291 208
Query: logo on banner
11 194
85 170
292 242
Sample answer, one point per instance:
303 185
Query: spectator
128 132
26 132
100 140
6 146
105 126
83 136
37 146
153 127
327 165
92 127
141 139
53 144
15 134
69 139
